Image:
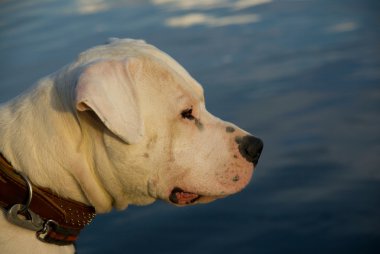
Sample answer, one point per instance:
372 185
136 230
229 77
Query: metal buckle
21 215
47 226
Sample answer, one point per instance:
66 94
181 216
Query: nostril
250 148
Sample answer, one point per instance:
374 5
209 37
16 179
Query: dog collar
55 219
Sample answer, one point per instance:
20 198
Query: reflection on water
201 19
343 27
175 5
302 75
196 12
86 7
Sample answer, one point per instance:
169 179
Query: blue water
304 75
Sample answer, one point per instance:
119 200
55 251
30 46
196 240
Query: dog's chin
181 197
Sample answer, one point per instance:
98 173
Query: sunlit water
302 75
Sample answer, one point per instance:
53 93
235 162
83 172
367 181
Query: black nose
250 148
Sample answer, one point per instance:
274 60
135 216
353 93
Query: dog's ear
108 88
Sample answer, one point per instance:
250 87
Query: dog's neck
35 126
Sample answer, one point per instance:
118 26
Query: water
302 75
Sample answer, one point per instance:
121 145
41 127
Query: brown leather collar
56 220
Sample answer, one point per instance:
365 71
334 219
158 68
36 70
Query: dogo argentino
123 124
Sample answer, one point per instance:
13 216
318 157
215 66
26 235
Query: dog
123 124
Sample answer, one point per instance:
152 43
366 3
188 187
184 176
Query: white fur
107 130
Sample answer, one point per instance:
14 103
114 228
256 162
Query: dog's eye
188 114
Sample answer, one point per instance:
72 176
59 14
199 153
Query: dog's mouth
181 197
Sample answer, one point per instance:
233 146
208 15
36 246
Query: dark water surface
302 75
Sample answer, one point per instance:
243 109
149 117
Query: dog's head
149 115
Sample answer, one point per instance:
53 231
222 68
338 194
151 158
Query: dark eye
188 114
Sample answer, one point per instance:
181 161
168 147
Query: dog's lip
180 197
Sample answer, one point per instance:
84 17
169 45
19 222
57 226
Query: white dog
123 124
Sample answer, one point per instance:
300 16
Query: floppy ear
108 88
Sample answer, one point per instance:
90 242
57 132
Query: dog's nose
250 148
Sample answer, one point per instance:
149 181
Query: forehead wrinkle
182 80
187 90
171 64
